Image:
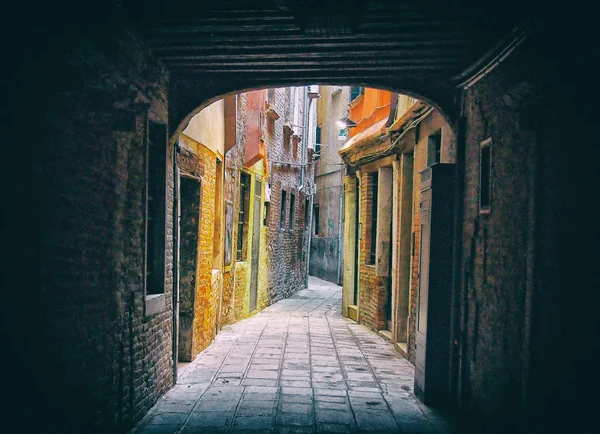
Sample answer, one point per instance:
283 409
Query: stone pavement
296 367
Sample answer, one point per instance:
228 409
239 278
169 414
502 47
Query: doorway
255 242
190 203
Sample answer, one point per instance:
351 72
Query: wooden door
423 296
190 206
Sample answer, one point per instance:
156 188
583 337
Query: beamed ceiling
320 40
229 45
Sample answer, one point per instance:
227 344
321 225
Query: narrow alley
297 366
175 171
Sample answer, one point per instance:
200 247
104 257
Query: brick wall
206 301
78 340
372 288
286 271
494 248
528 308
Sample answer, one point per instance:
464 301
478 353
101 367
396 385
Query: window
356 91
485 176
156 208
318 143
243 214
292 210
315 222
282 213
434 148
306 214
373 244
266 216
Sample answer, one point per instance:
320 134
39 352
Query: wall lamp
345 123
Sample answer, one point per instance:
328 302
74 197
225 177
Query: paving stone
338 385
259 382
329 392
295 383
158 429
175 407
330 375
295 407
257 422
211 419
375 421
301 399
167 418
271 375
335 428
328 405
293 430
335 416
294 419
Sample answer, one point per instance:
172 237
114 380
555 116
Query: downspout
457 313
304 138
302 176
340 224
309 235
176 210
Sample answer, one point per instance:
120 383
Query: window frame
374 184
282 213
485 208
292 213
243 217
318 132
437 137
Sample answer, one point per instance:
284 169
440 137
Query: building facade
396 140
326 246
199 193
243 190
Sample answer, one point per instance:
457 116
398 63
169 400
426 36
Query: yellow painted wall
243 269
207 283
208 127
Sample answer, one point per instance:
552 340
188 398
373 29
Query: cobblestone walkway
297 366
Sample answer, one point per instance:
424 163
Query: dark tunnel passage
98 96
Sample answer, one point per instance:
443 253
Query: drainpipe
457 313
176 211
304 138
302 176
309 232
340 223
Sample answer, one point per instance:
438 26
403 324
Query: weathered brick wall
206 301
372 289
494 252
529 248
76 324
287 269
